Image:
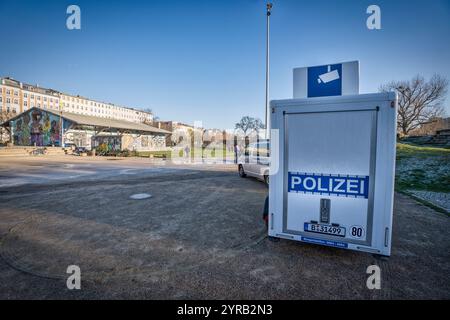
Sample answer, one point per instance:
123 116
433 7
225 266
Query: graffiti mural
144 141
106 144
37 127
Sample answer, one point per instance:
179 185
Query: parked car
80 150
255 161
71 146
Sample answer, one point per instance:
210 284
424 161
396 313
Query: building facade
86 106
17 97
49 128
180 131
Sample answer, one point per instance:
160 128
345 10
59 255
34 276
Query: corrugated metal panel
111 123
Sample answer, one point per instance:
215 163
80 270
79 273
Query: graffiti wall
80 138
37 127
143 142
131 142
107 143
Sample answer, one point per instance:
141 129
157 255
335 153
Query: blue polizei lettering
339 185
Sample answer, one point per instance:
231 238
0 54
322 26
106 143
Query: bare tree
249 124
147 121
258 125
419 101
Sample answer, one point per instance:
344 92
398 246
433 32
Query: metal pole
269 9
61 142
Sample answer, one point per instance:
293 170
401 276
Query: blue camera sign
325 81
337 79
327 184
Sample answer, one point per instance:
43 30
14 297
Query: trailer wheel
266 180
266 221
266 213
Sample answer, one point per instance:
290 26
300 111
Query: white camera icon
329 76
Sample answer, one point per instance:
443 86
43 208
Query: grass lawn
422 168
417 167
156 154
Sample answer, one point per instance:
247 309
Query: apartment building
180 132
17 97
85 106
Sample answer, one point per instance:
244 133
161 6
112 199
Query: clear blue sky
204 60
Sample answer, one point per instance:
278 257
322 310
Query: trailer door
329 174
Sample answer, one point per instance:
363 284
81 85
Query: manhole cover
140 196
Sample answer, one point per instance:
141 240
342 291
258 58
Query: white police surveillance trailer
335 179
327 80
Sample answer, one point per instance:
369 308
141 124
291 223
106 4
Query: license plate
325 229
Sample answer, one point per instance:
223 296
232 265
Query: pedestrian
236 153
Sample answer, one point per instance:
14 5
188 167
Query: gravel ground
200 236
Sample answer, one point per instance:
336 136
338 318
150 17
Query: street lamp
269 11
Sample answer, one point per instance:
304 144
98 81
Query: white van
255 161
